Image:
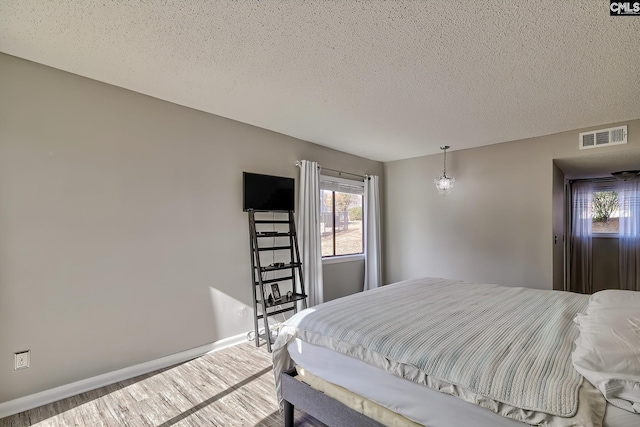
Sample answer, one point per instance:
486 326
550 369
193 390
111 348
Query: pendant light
444 183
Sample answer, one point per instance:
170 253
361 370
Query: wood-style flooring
231 387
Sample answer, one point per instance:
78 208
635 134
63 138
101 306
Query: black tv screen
267 192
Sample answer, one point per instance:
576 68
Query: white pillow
607 351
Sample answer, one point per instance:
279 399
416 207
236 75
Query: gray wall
122 232
339 279
496 226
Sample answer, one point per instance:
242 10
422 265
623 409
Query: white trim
342 258
25 403
341 180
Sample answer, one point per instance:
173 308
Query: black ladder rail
256 269
293 239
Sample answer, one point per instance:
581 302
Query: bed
444 353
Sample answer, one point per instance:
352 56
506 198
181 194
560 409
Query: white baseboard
38 399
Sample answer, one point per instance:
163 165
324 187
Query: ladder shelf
266 301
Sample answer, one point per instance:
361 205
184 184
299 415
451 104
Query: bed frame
320 406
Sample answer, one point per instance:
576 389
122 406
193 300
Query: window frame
336 259
332 180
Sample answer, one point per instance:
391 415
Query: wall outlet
242 312
22 360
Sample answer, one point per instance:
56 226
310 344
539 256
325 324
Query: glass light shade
444 183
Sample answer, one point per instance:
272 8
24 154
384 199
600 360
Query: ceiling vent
603 137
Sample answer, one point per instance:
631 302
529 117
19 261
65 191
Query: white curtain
372 251
308 227
629 234
581 231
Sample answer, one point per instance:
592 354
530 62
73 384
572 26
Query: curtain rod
607 179
336 171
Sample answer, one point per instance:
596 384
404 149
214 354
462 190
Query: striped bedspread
512 345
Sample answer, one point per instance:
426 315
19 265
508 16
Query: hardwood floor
231 387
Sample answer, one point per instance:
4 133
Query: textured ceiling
382 79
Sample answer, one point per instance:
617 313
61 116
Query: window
341 226
603 208
601 203
605 214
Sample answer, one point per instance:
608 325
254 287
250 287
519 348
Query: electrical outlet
242 312
22 360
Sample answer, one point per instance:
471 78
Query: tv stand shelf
273 234
274 248
279 303
285 300
267 278
280 267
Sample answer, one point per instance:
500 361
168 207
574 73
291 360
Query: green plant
355 213
605 203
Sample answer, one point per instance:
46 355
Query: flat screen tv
267 192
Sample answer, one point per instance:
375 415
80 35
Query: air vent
603 137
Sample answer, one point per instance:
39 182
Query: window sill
342 258
604 236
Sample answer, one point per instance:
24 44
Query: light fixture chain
445 163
